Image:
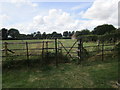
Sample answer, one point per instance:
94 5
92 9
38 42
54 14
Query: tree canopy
102 29
4 33
105 30
14 33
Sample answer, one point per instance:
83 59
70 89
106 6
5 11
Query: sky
29 17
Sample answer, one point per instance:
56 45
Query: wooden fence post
56 52
98 45
60 50
27 53
47 46
46 52
43 50
80 51
6 53
58 47
102 50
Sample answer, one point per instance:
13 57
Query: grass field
96 74
89 74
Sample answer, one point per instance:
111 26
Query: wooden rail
58 46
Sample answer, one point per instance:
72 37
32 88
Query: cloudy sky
29 17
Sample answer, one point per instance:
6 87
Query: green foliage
102 29
88 38
112 37
37 35
99 30
117 48
14 33
4 33
82 32
65 33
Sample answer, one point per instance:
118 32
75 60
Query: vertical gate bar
27 53
56 52
80 51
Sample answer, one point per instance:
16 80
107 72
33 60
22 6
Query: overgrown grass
89 74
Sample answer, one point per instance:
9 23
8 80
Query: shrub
117 48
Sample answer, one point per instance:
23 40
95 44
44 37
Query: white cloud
81 13
103 11
76 8
56 20
23 2
81 6
4 19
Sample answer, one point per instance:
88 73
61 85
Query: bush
117 48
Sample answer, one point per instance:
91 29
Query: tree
112 37
85 32
54 34
4 33
59 35
22 36
44 35
82 33
38 35
65 33
14 33
102 29
49 36
29 36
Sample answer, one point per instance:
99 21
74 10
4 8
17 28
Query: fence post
58 47
102 50
27 53
98 45
47 46
60 50
46 52
56 52
43 50
80 51
6 53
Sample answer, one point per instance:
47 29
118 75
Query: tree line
105 32
98 32
14 34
